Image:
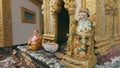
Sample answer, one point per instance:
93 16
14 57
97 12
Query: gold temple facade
59 24
105 17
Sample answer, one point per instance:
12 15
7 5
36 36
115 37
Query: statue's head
36 32
84 13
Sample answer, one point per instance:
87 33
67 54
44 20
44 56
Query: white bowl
51 47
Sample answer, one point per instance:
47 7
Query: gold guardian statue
82 48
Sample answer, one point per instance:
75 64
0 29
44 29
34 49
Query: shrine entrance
58 16
63 25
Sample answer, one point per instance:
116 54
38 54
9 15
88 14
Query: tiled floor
7 63
7 59
10 62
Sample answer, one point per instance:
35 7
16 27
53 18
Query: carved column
52 8
45 15
45 4
55 9
1 26
48 32
5 23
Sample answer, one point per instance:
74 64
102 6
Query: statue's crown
85 10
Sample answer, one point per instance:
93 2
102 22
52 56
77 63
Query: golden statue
35 42
82 48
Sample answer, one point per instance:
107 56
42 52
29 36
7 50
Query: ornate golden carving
1 26
6 23
55 7
107 33
99 36
47 20
112 34
70 5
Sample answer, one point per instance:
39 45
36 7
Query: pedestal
71 62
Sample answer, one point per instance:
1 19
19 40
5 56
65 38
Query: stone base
39 58
83 63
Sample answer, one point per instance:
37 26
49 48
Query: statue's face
83 16
35 32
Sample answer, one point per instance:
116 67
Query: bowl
50 47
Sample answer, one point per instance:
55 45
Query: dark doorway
63 26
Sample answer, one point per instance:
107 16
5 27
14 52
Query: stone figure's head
83 14
36 32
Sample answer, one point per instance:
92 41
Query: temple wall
22 31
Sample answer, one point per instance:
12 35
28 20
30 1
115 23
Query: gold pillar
5 23
45 13
1 25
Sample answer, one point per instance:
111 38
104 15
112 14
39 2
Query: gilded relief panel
103 34
107 35
113 13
